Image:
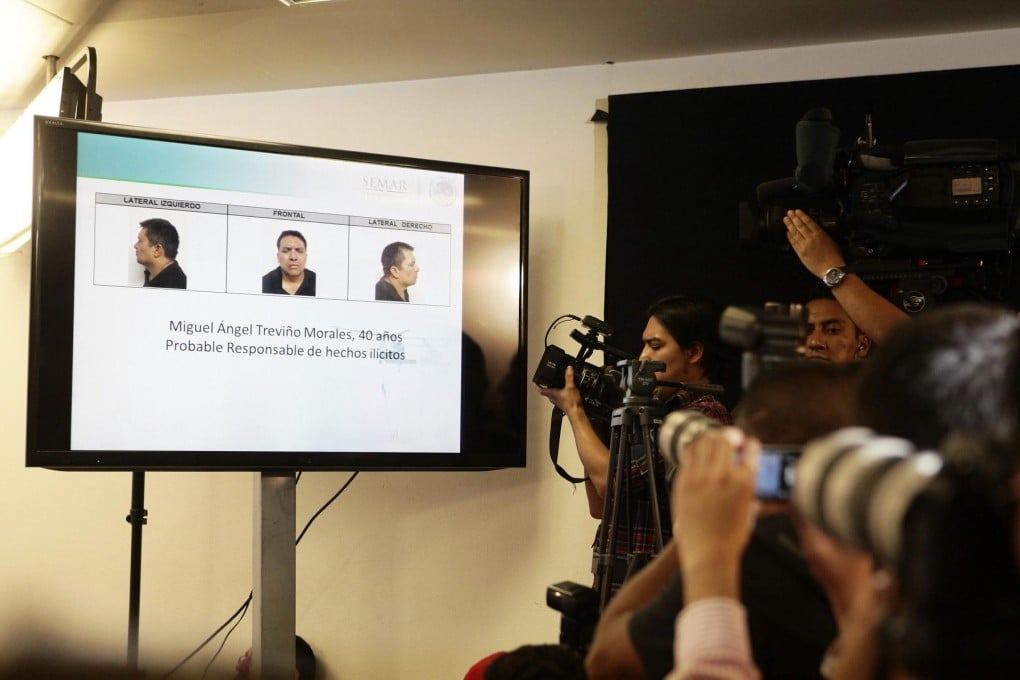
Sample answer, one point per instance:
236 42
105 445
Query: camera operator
683 333
874 315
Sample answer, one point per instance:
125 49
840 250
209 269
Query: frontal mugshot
292 276
400 272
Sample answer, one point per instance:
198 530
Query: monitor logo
390 185
442 192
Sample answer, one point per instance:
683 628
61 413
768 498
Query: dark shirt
171 276
273 283
384 290
788 616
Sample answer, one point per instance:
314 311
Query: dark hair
393 255
537 662
290 232
305 658
954 368
693 320
799 400
958 608
161 233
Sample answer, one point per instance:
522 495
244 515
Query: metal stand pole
137 517
273 596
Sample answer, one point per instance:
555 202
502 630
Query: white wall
407 575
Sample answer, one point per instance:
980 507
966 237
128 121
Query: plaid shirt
635 524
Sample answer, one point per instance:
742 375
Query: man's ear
863 346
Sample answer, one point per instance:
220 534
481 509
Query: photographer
955 604
681 332
789 617
874 315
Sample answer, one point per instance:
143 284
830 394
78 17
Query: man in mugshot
291 277
156 250
400 272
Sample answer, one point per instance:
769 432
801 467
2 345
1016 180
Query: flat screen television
218 366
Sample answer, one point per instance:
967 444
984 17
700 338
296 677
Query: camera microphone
597 325
679 429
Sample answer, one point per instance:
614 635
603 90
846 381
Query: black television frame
498 442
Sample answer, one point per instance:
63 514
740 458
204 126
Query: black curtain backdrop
681 162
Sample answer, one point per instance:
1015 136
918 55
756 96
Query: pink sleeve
712 642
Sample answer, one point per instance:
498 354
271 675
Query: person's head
800 400
157 242
954 368
291 253
956 610
304 659
683 332
399 265
832 336
537 662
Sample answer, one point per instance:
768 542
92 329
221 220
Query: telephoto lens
857 486
679 429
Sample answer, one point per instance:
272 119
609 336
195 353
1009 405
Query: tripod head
637 379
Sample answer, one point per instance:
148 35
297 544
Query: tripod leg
651 451
602 562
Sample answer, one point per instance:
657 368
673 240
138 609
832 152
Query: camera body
776 466
579 609
601 388
927 214
769 336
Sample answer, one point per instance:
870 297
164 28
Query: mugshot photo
396 266
287 258
168 249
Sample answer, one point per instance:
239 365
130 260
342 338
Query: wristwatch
834 276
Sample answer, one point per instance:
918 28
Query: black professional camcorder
600 387
928 214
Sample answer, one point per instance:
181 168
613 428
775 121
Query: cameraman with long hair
683 333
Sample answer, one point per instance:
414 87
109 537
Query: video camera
928 214
769 336
600 387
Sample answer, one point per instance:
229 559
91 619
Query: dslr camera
776 466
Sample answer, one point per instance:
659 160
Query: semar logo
387 184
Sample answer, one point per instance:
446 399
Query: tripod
632 440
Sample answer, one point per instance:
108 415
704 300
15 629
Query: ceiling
165 48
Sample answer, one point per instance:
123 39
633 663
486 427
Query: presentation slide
215 354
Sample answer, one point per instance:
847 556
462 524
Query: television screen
210 303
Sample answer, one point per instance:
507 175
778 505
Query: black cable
227 636
325 505
556 322
240 612
243 609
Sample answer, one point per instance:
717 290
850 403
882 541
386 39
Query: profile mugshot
156 250
400 272
291 277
